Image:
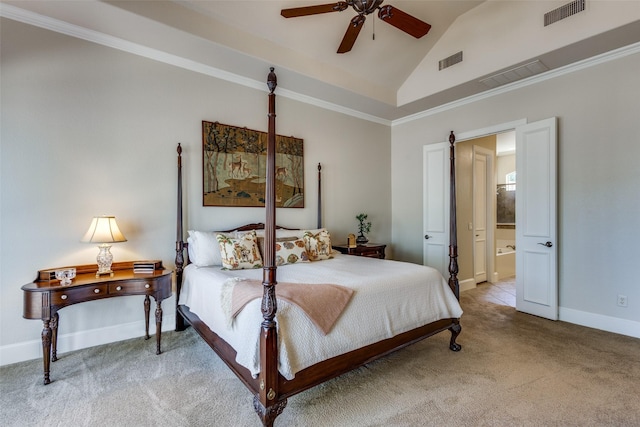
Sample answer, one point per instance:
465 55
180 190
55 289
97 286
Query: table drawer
139 287
373 253
68 296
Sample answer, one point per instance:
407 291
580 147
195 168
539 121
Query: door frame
491 130
442 245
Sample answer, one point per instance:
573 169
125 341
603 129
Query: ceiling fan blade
403 21
314 10
351 35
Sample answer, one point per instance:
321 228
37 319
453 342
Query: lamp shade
103 229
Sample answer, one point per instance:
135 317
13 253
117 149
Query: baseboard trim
598 321
466 285
30 350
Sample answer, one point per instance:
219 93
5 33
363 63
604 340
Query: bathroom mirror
506 204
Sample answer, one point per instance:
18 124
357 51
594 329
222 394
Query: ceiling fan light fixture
389 14
365 6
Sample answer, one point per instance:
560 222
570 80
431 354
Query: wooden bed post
453 227
319 196
453 241
270 389
179 261
267 403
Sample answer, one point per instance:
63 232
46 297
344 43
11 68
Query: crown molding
58 26
52 24
551 74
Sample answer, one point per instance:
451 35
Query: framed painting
234 167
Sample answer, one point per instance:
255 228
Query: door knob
426 236
547 244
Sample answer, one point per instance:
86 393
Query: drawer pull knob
96 291
63 297
147 286
119 288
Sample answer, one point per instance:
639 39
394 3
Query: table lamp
104 230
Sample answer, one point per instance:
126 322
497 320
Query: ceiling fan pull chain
374 29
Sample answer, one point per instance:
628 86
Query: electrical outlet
622 300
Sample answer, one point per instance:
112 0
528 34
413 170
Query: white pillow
204 250
237 234
282 233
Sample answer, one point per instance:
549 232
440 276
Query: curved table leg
158 325
54 337
147 306
46 349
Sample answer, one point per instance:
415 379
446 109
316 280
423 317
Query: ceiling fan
388 14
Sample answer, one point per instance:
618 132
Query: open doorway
536 223
504 281
486 216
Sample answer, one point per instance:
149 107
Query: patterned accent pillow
318 245
290 251
278 239
239 253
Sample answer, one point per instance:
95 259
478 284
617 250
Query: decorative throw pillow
318 245
278 239
239 253
290 251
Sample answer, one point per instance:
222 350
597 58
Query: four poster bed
335 312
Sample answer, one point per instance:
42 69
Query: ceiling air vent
515 74
448 62
563 12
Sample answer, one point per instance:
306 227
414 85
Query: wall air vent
514 74
564 12
448 62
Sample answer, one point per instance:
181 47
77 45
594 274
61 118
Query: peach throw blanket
322 303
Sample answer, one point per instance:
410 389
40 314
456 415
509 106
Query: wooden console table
45 296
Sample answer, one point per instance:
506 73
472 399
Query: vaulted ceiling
386 77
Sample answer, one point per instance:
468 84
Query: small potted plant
364 227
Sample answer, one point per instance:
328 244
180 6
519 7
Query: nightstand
45 296
372 250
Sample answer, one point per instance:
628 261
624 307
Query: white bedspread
390 297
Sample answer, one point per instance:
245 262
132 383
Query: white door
480 220
536 240
436 207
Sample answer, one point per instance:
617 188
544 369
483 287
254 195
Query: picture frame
234 167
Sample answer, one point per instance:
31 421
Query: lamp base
104 260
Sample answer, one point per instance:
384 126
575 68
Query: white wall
504 165
597 110
88 130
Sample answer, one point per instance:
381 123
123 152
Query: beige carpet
514 370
